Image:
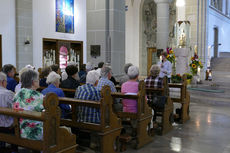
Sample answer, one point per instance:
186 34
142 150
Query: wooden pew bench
167 112
55 138
110 126
143 115
65 90
182 96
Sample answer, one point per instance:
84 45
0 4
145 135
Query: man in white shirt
100 66
166 67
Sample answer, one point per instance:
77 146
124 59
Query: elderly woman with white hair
24 69
31 100
130 87
53 81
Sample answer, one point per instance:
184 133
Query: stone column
162 23
106 27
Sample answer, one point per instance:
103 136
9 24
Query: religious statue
195 49
182 40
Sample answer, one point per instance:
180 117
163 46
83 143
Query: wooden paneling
150 58
55 44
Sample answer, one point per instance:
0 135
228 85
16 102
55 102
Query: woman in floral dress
29 99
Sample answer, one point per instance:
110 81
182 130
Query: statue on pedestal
182 41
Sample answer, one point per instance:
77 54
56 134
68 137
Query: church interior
109 76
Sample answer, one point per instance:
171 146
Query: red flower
16 106
168 49
20 120
28 100
31 125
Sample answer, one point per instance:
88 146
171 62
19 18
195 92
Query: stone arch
147 32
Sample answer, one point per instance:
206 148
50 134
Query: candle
210 74
160 58
198 71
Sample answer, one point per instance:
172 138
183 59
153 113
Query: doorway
216 42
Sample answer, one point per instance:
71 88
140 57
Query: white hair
133 72
88 66
24 69
53 77
92 77
2 76
105 71
71 63
30 67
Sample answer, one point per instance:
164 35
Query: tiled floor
206 132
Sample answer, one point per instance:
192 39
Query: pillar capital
162 1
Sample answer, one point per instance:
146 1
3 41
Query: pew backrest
52 133
164 91
182 88
143 110
109 120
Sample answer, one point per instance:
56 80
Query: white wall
44 23
132 32
223 24
8 32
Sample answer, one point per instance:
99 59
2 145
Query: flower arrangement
171 56
176 78
195 63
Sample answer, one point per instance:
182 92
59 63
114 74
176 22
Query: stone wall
24 32
106 27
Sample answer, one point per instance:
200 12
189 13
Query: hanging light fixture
180 3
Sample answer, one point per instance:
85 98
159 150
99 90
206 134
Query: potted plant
176 78
189 78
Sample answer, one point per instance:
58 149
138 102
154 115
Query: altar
181 60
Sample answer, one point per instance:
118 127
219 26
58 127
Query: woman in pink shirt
130 87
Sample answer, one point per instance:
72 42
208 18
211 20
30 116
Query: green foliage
189 76
195 63
176 78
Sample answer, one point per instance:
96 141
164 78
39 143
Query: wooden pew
143 115
65 90
110 127
55 138
184 99
167 112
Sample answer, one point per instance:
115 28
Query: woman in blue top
53 80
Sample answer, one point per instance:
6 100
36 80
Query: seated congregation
91 103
